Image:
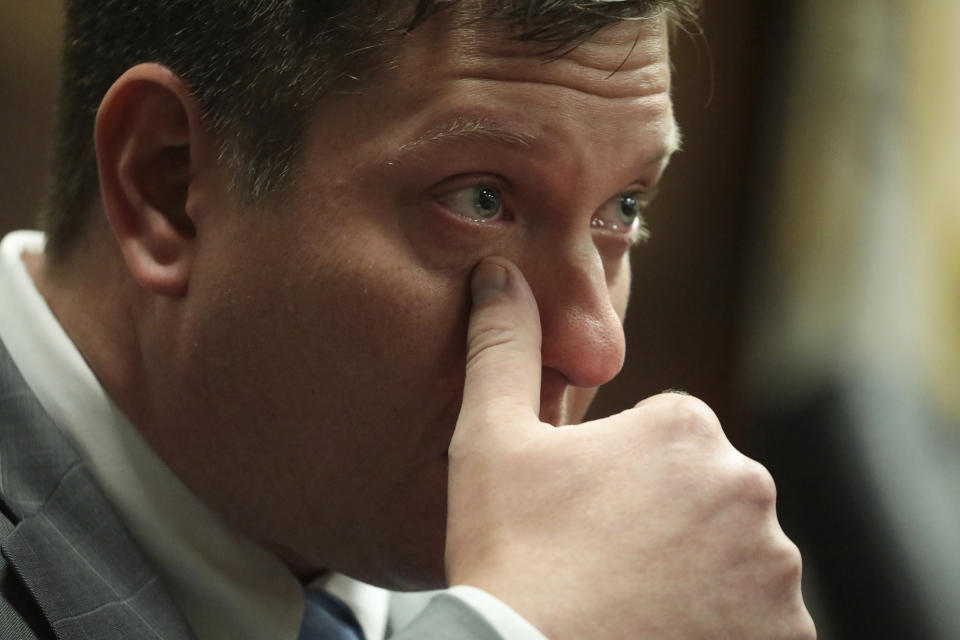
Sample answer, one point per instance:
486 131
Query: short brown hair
257 68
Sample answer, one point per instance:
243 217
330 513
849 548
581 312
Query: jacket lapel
68 546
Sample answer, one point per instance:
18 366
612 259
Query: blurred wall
29 51
854 344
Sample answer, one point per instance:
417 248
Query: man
321 281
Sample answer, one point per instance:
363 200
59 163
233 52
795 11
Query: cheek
345 324
413 324
448 247
405 324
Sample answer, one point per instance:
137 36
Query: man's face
327 337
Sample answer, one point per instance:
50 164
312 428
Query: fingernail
488 281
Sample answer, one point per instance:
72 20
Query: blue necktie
325 617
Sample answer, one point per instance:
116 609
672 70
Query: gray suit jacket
70 570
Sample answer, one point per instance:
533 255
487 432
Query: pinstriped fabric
69 551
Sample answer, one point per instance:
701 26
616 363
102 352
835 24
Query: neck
90 298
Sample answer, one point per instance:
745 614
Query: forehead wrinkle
621 43
648 80
625 60
611 94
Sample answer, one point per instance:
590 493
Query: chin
414 563
416 559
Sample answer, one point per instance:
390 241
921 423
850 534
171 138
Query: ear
149 142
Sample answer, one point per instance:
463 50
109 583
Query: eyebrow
466 127
483 128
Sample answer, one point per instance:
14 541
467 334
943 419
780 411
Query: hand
646 524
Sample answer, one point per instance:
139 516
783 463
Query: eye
623 214
480 202
628 210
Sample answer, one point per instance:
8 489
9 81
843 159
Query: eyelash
481 191
456 197
636 230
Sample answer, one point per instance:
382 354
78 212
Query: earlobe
148 140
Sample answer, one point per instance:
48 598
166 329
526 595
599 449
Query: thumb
503 350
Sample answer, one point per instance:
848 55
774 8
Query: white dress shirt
227 586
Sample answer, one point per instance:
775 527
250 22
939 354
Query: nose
583 342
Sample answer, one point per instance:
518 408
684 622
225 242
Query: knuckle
488 334
797 622
791 563
496 347
684 415
803 627
757 485
697 418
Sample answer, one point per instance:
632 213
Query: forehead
456 83
625 59
609 87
